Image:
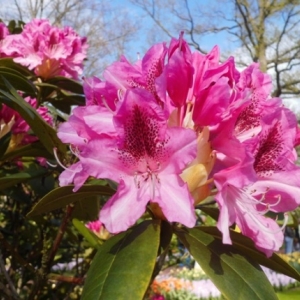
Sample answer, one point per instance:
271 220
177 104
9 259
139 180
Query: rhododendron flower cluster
178 126
48 50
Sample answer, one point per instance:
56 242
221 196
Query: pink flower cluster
176 127
49 51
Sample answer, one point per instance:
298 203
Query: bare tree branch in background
171 17
264 31
268 30
108 31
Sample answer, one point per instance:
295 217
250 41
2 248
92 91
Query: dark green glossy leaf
211 211
44 131
66 84
94 241
87 209
10 64
18 81
35 149
63 196
246 245
15 27
4 143
123 266
166 234
64 103
8 180
236 275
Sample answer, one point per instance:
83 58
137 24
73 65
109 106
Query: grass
289 295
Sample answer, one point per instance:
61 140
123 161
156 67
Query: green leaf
35 149
123 266
236 275
87 209
66 84
246 246
165 235
10 64
94 241
63 196
60 98
4 143
44 131
64 103
15 27
211 211
18 81
8 180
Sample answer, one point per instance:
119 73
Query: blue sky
208 41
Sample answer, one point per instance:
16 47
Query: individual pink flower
98 229
143 155
49 51
146 74
179 71
94 226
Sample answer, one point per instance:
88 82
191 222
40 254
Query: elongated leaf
44 131
246 245
66 84
13 179
64 103
63 196
235 275
87 209
4 143
15 27
35 149
123 266
10 70
211 211
10 64
18 81
88 234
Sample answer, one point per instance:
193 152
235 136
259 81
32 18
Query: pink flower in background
98 229
94 226
177 125
3 31
49 51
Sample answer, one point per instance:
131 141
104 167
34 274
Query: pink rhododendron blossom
146 74
49 51
265 131
177 127
179 71
142 153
